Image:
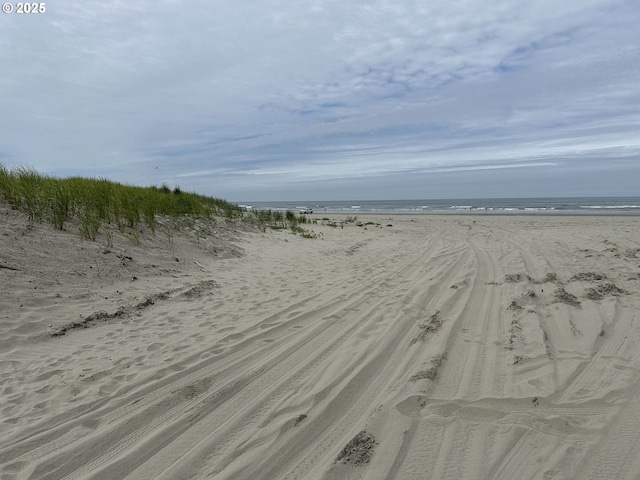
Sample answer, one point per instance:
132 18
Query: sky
265 100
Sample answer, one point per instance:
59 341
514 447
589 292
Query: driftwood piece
2 265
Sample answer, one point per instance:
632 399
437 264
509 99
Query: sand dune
444 347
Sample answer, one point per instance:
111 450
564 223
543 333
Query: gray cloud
271 99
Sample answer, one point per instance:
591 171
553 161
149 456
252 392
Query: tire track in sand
159 407
150 391
232 436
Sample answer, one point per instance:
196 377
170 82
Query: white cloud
316 90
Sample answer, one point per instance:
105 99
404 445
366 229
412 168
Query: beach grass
98 201
278 220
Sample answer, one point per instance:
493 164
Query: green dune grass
98 201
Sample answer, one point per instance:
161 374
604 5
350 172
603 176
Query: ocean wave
610 206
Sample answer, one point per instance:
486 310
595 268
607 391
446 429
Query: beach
388 347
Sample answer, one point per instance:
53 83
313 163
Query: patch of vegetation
297 230
97 201
89 224
277 220
308 234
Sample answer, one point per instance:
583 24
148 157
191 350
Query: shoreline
552 205
486 214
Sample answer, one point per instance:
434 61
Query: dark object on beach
359 450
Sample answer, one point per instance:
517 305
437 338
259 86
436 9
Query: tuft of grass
329 222
135 237
296 230
31 191
149 212
277 220
89 224
61 206
291 218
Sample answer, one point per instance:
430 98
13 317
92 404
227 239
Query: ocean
556 206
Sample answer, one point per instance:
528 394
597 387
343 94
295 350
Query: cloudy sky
336 99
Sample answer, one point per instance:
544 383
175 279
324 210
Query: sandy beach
412 347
